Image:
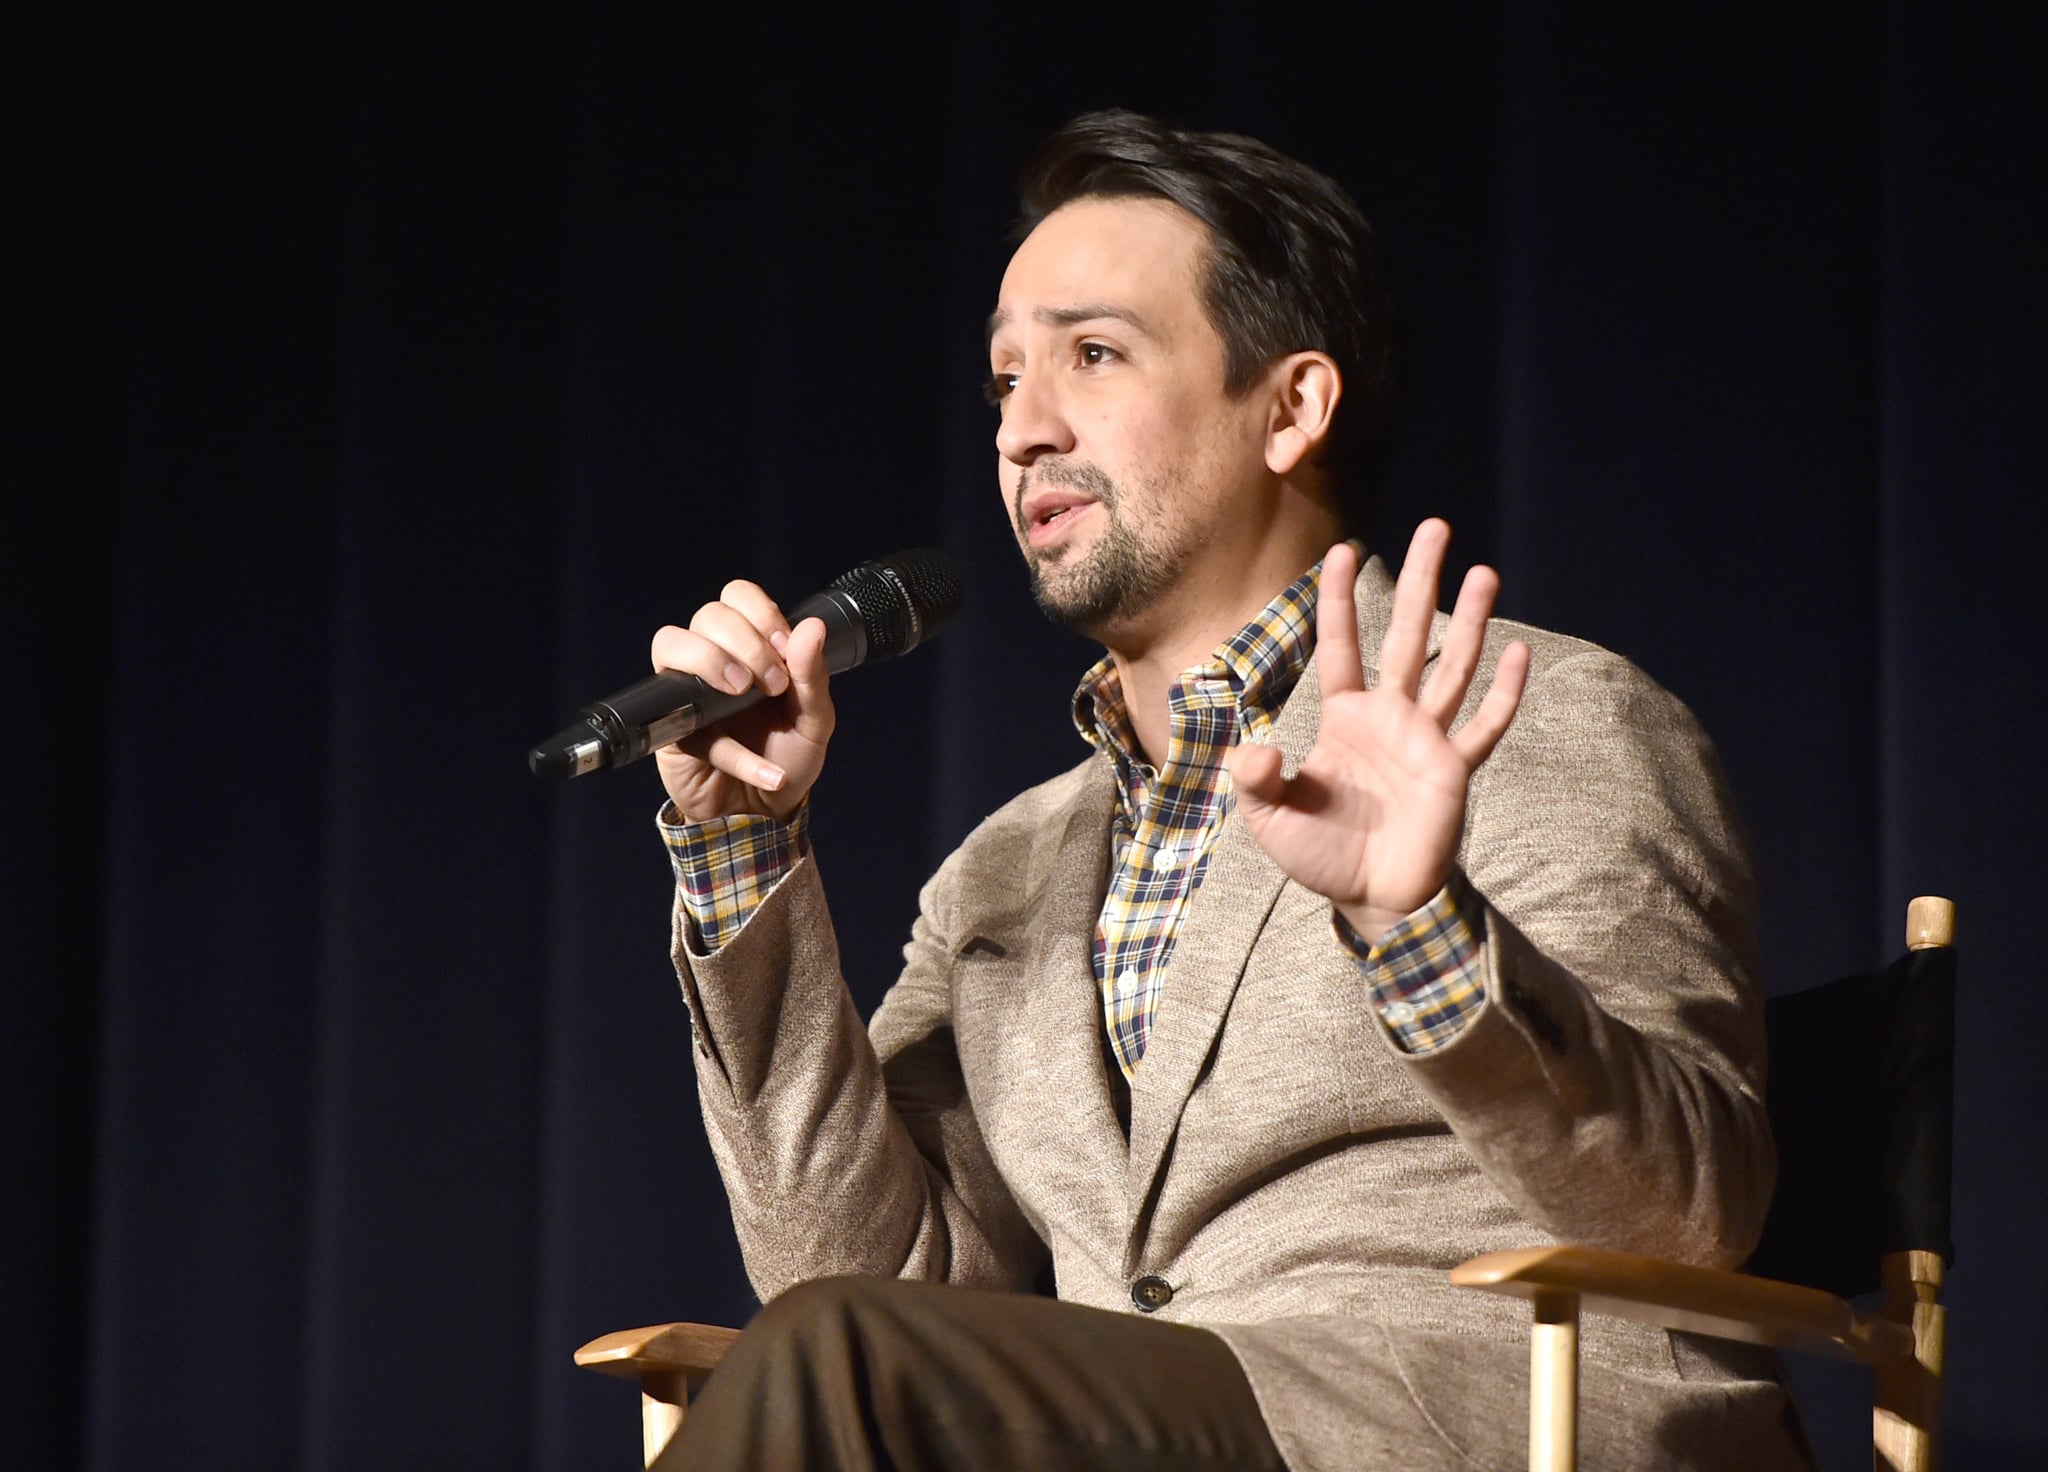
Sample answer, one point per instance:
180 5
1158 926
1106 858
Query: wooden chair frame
671 1362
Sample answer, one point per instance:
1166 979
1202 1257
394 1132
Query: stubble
1107 584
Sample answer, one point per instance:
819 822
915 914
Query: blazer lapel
1217 933
1222 925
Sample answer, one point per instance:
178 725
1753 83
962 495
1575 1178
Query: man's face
1124 463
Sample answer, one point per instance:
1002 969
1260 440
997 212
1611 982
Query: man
1363 941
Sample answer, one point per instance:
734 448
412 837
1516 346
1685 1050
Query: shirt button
1166 856
1128 981
1151 1293
1398 1014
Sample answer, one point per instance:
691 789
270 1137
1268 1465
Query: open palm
1371 820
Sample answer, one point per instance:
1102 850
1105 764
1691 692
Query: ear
1305 388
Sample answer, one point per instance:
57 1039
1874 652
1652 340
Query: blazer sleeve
1612 1084
839 1156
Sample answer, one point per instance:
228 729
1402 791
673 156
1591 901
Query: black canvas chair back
1861 1092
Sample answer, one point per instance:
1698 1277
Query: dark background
380 381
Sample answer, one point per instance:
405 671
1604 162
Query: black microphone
885 607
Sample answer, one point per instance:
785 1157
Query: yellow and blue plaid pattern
727 866
1427 975
1166 821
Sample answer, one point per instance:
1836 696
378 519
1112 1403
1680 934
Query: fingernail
768 776
737 678
776 680
780 640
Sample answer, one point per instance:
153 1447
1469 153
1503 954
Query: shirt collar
1260 663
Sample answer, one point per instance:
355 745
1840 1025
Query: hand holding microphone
742 749
764 758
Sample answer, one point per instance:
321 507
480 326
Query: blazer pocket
1473 1393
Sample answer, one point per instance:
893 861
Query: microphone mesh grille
903 598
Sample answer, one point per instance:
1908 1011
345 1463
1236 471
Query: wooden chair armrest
670 1361
693 1349
1692 1299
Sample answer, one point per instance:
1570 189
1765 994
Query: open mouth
1049 517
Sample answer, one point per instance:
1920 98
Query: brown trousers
868 1374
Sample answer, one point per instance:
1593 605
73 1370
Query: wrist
1369 922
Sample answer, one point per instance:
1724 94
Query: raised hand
1372 819
764 759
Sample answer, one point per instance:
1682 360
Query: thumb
1255 771
809 681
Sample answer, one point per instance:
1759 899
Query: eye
998 386
1095 354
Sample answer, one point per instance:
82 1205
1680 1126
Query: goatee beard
1105 585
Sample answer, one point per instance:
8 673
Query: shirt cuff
1426 976
726 867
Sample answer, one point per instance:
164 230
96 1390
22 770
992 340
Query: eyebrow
1070 316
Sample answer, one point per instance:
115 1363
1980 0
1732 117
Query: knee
822 1316
820 1298
793 1383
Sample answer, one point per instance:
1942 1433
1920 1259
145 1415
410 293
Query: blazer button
1151 1293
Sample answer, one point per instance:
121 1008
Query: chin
1089 599
1100 587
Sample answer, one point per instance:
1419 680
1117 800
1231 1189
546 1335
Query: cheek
1144 447
1233 443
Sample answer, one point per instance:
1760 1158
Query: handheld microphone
881 608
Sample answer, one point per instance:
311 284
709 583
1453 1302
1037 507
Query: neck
1185 630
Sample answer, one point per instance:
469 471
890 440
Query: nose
1034 422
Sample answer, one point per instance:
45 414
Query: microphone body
881 608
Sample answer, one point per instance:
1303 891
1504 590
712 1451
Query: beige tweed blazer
1301 1183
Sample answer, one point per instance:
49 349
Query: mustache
1077 475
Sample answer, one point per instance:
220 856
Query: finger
754 658
1256 775
754 604
810 694
734 758
1338 667
1444 691
1406 646
1476 739
691 653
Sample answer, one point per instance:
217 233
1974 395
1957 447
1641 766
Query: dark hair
1292 263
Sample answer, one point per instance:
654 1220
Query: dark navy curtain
383 378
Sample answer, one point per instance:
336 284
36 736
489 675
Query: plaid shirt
1425 976
1166 821
727 866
